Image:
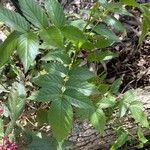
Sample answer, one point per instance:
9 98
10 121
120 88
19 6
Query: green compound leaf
13 20
106 102
77 99
60 117
130 3
46 94
113 22
121 140
34 13
42 116
79 24
83 87
16 100
98 120
139 115
145 23
58 79
103 30
145 29
116 85
55 12
27 49
56 68
129 96
141 136
119 8
59 85
7 47
81 73
104 3
57 55
123 108
103 42
53 37
74 34
49 80
106 55
126 101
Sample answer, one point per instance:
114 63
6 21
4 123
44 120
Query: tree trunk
85 137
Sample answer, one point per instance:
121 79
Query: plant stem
59 145
74 58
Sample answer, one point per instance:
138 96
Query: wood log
85 137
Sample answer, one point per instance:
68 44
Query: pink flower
8 145
1 109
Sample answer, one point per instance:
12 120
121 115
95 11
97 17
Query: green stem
75 57
78 50
59 145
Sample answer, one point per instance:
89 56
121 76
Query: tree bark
85 137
